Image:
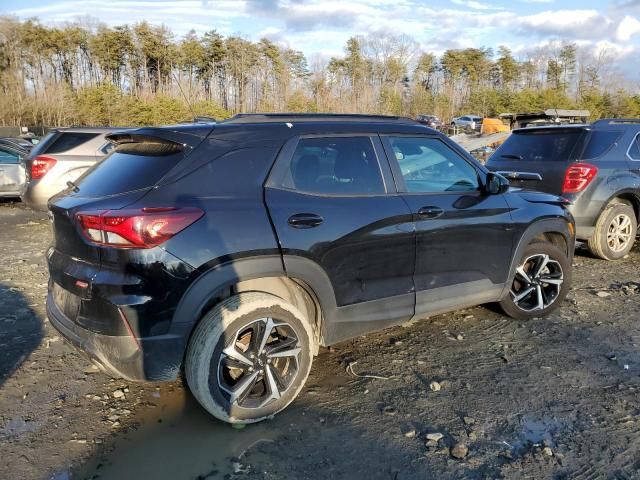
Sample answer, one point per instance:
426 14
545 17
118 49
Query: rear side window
600 142
130 167
8 157
338 166
541 146
634 149
68 140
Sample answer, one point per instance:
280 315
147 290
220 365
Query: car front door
12 175
464 237
337 216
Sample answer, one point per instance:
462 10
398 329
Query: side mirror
496 184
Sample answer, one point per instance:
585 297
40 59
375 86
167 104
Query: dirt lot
551 398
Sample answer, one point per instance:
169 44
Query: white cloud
628 27
475 5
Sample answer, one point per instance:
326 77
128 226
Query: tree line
87 73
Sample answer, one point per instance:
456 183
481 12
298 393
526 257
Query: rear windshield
68 140
543 146
42 144
130 167
600 142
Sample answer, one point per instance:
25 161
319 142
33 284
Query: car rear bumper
138 359
36 197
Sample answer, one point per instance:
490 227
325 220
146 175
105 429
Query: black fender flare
546 225
211 284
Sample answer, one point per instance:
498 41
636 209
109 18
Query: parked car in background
596 167
467 122
22 143
12 170
236 249
61 157
430 121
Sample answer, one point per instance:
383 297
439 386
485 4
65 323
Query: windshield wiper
73 186
511 155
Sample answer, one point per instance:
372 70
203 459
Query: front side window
334 166
8 157
429 166
634 149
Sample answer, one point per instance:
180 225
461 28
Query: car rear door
12 174
334 206
464 236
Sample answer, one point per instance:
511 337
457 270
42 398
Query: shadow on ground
20 331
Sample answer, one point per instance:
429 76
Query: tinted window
68 140
543 146
634 150
7 156
130 167
428 165
42 144
339 166
600 142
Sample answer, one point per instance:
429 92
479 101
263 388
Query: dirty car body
359 222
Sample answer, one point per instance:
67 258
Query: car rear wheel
249 357
615 232
541 281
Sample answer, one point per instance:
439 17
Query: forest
88 73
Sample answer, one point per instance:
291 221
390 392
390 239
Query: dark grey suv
596 167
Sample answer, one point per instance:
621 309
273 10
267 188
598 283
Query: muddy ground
550 398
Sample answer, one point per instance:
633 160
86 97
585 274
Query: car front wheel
540 283
249 357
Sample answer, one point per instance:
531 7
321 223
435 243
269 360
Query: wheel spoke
232 352
540 297
243 388
520 271
543 264
552 281
520 296
292 352
274 392
266 334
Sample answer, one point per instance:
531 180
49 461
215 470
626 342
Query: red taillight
40 165
144 228
578 176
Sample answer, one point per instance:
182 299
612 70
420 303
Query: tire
610 240
212 357
557 271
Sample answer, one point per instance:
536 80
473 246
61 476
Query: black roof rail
317 117
617 121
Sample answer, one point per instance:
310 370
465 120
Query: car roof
273 126
316 118
87 129
553 128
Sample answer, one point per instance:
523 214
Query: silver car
471 122
12 170
61 157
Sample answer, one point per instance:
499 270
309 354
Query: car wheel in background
615 232
540 284
249 357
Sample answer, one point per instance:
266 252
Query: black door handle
305 220
430 212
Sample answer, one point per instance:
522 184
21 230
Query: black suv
596 167
236 249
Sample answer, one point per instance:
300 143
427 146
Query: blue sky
323 26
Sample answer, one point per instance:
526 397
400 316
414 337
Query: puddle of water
537 431
176 440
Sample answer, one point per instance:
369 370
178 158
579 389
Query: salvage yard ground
550 398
